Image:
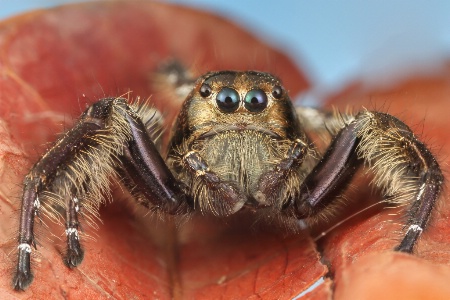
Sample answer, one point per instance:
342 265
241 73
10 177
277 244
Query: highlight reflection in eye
227 99
255 100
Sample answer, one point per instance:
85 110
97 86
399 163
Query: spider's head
232 100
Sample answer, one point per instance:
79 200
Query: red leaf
54 63
50 59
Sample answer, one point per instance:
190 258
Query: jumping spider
237 144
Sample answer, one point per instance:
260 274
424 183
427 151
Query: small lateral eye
227 100
277 92
255 100
205 90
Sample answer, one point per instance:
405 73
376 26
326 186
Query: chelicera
238 144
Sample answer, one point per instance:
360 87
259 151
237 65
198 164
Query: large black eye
277 92
205 90
227 100
255 100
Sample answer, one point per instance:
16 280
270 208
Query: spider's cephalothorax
238 144
233 130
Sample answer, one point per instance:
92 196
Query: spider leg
275 184
329 177
315 119
79 166
23 276
41 177
148 172
75 253
208 188
404 169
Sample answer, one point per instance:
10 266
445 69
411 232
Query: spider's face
230 100
236 126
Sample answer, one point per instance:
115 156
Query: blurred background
336 42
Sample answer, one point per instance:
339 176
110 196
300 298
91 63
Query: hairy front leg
404 170
49 176
77 170
146 172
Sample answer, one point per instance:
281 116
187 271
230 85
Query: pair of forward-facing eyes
228 99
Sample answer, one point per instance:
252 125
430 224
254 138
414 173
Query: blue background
335 41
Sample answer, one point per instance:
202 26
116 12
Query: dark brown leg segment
75 253
330 175
404 169
148 171
430 182
38 180
106 132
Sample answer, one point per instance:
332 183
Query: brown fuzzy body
239 147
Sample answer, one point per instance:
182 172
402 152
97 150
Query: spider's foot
408 242
74 257
403 248
22 279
